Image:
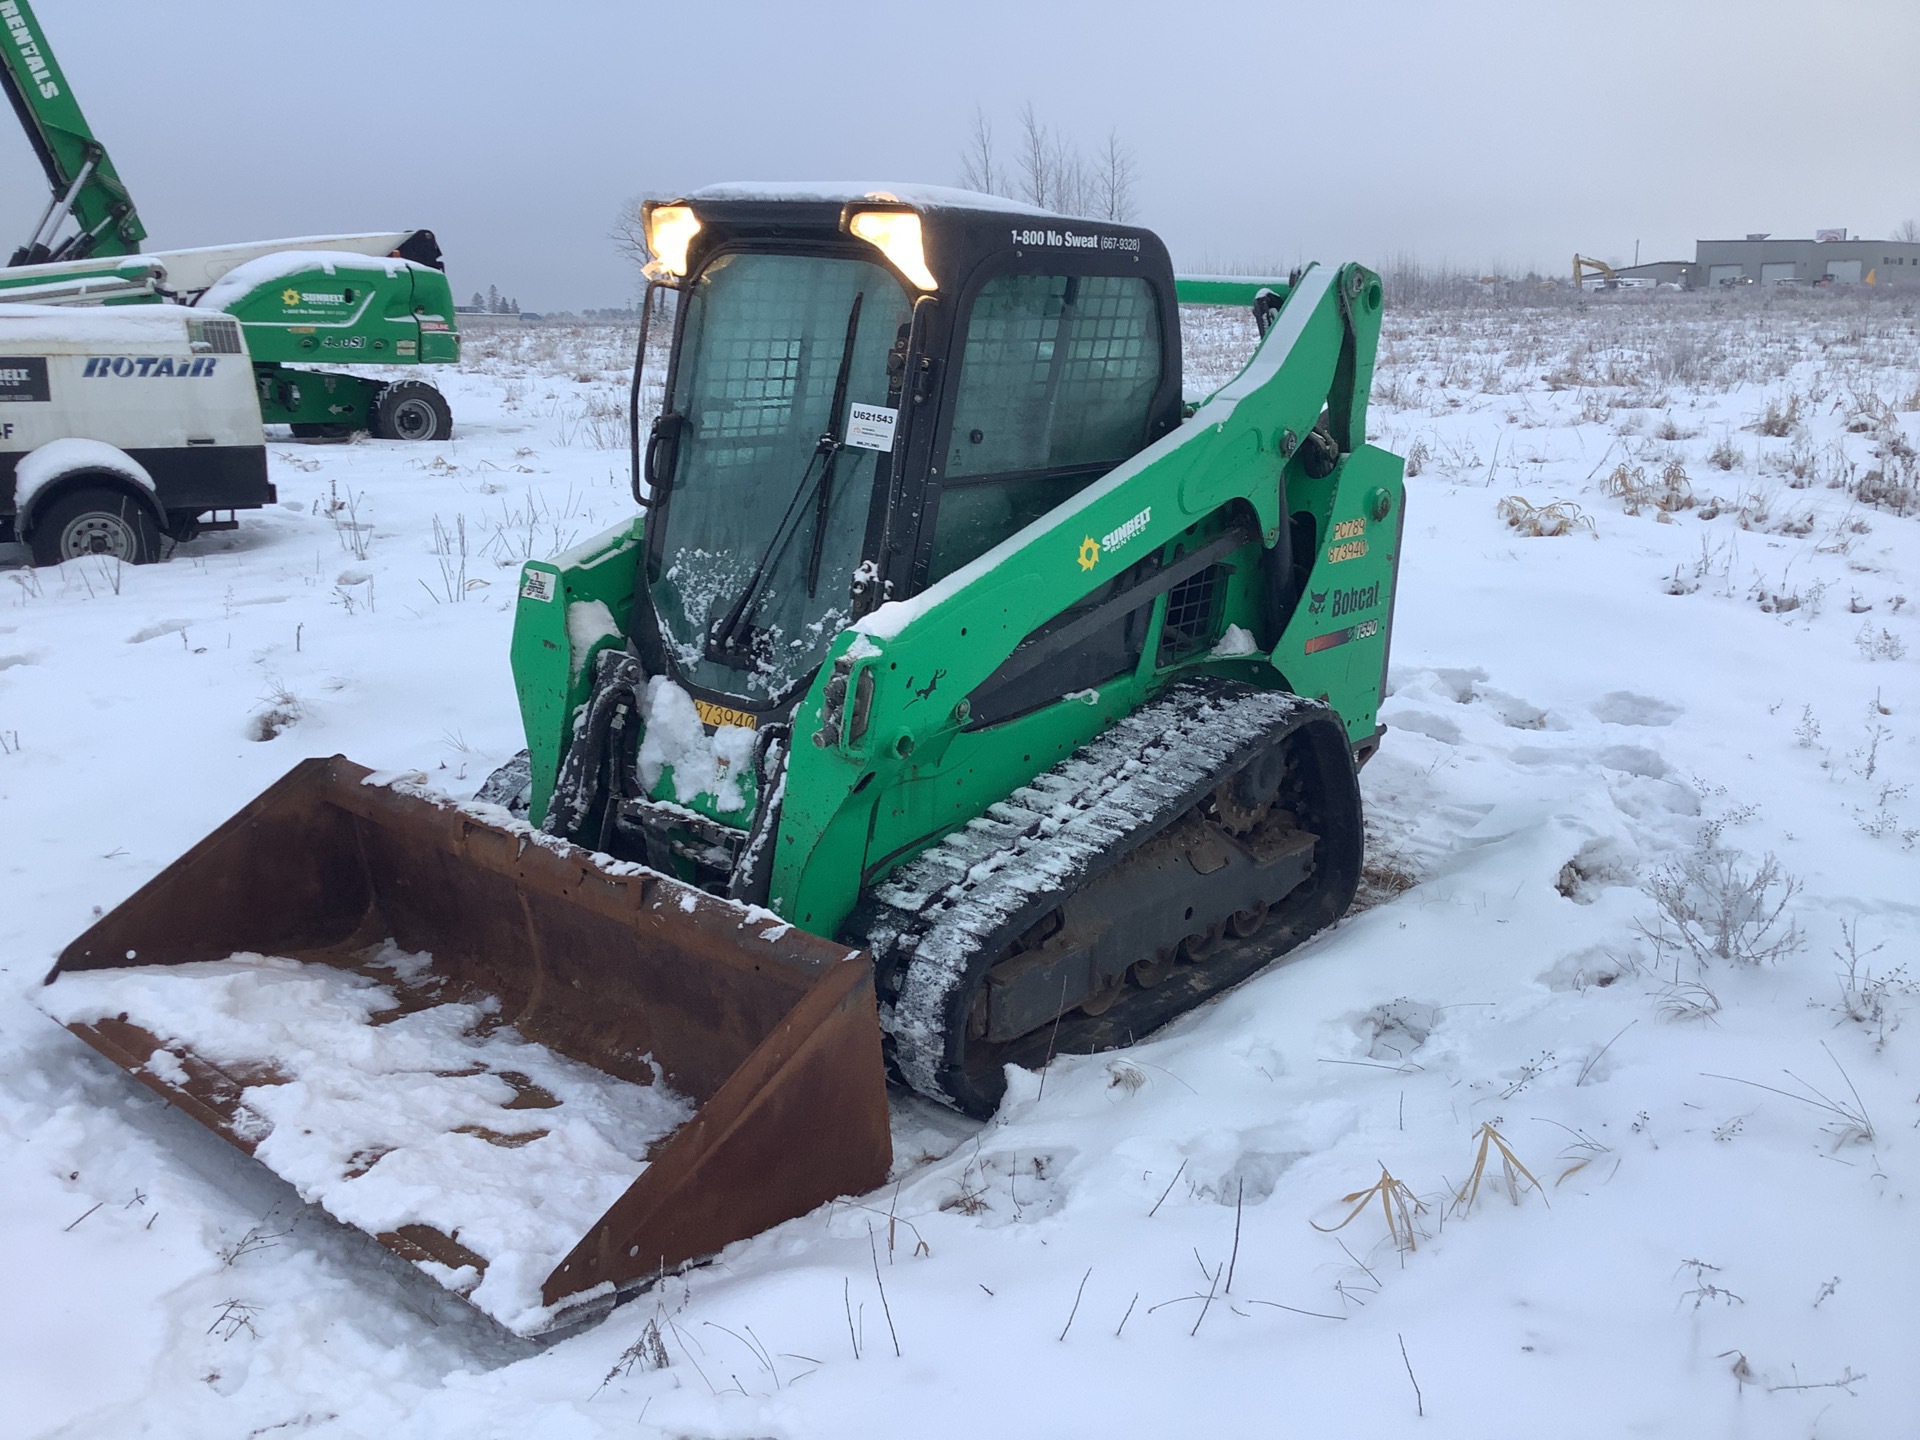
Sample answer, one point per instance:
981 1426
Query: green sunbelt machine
948 635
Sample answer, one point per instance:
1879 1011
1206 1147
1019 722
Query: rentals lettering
22 35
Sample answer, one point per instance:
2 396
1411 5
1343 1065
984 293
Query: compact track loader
960 694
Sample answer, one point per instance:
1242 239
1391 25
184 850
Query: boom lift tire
95 521
410 410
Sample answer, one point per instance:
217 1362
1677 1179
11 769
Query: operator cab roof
962 230
841 192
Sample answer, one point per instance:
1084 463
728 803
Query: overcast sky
1479 134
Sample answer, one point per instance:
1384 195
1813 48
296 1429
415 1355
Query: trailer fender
50 470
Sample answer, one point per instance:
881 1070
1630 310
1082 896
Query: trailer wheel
95 522
411 410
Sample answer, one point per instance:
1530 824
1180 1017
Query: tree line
1046 167
493 303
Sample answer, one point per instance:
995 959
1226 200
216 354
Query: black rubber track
939 923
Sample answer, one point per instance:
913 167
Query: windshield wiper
827 449
836 424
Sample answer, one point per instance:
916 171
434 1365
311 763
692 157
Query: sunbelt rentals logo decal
291 297
1091 549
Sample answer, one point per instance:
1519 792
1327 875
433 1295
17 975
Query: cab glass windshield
763 525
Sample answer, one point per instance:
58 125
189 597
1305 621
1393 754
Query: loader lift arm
80 173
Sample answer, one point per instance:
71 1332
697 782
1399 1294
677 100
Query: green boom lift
379 299
950 637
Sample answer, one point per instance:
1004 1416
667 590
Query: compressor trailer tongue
960 695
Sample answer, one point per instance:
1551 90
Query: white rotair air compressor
122 427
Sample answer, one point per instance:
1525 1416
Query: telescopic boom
80 174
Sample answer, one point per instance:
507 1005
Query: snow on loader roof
840 192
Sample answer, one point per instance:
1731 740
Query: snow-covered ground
1514 1150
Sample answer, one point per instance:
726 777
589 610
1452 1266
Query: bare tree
1072 180
1907 232
977 169
629 234
1036 159
1050 170
1113 184
1054 174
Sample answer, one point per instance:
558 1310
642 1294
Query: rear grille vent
214 337
1193 614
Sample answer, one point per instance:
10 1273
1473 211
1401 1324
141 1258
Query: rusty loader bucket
540 1077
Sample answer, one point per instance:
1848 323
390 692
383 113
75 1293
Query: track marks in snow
1468 687
1008 1187
1393 1031
1592 965
1232 1167
1518 714
1599 863
1623 707
1633 760
1422 722
159 628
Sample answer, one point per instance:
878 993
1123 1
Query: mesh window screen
763 344
1193 614
1058 373
1058 370
749 374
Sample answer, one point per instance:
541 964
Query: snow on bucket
540 1075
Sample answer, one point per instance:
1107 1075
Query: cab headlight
896 235
670 230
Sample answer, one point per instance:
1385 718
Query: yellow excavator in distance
1582 264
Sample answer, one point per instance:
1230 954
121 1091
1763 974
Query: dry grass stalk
1510 1165
1398 1206
1854 1122
1386 873
1688 1000
1722 912
1561 517
1779 420
1629 485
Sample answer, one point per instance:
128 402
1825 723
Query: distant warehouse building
1656 272
1828 258
1764 260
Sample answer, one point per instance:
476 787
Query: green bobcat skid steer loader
959 694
